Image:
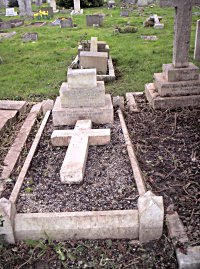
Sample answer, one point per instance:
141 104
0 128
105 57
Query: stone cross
182 29
77 6
79 139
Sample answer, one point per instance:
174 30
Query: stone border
131 103
111 72
116 224
190 257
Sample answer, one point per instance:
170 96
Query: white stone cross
182 29
77 6
79 139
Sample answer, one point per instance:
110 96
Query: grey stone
124 13
189 260
98 60
47 105
81 78
94 19
77 5
118 101
49 9
197 42
30 37
66 23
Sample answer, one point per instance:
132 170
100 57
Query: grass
35 70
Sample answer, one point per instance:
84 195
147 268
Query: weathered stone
66 23
157 24
82 97
20 106
124 13
165 88
69 116
163 103
191 260
30 37
49 9
98 60
7 117
115 224
173 74
94 44
47 105
77 5
94 19
7 213
131 103
81 78
73 167
118 101
197 42
151 217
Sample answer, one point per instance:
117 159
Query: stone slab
82 97
7 117
163 103
47 105
81 78
93 44
94 19
131 103
20 106
197 42
189 260
20 140
115 224
98 60
25 167
111 73
180 88
173 74
151 217
61 138
69 116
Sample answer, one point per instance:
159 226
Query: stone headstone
124 13
94 19
197 42
157 24
111 4
49 9
10 12
66 23
30 37
53 5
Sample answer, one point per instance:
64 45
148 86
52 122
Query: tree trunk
28 8
22 8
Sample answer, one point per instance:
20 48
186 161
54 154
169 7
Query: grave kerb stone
73 167
77 6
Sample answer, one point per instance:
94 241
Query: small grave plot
168 151
108 183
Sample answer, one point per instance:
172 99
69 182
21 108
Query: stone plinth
69 116
98 60
82 97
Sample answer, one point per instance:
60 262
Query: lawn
35 70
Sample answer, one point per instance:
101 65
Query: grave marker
73 167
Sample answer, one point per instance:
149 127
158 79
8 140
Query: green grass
36 70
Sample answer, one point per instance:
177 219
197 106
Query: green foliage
13 3
84 3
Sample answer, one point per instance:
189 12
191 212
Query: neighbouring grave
6 35
95 54
53 5
77 8
94 20
82 97
197 42
78 141
30 37
38 23
10 12
66 23
111 4
179 84
49 10
154 21
124 13
11 24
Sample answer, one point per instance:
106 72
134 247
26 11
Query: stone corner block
7 214
118 101
47 105
151 217
81 78
189 260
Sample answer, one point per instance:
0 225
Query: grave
66 23
94 20
30 37
11 24
53 5
154 21
82 97
111 4
38 23
124 13
179 84
6 35
10 12
78 141
94 58
77 8
197 42
49 10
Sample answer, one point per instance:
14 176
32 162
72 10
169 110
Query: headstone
10 12
53 5
49 9
157 24
79 139
77 8
124 13
66 23
93 58
30 37
179 84
94 19
197 43
111 4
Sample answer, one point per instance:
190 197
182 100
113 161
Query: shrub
13 3
84 3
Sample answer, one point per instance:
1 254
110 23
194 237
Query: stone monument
179 84
81 98
77 8
53 5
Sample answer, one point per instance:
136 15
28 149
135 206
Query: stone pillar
77 6
151 217
53 5
7 216
197 43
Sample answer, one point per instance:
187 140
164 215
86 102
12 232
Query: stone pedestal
81 98
174 87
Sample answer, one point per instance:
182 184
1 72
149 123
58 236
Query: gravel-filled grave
168 151
108 183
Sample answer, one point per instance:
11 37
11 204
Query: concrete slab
69 116
115 224
7 117
20 106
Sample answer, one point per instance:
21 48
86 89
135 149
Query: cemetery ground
167 143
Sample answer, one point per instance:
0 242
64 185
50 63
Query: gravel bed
168 150
108 183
